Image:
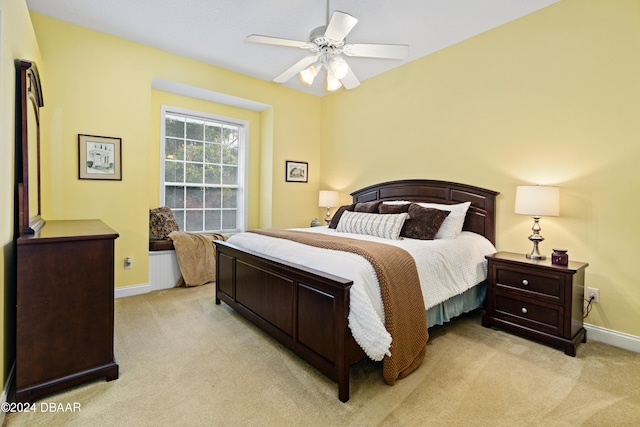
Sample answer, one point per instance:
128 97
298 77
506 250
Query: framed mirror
29 103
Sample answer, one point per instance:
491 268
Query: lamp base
536 238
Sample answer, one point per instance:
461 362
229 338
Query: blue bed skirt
455 306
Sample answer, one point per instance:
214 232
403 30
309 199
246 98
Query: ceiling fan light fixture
327 45
333 83
308 74
339 67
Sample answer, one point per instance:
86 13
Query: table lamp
328 199
537 201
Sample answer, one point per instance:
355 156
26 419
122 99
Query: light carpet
185 361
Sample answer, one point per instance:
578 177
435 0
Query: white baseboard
614 338
6 390
129 291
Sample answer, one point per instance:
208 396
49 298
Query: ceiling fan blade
256 38
388 51
350 80
340 25
296 68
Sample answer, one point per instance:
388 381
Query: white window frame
243 142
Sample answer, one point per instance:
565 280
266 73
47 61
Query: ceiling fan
327 45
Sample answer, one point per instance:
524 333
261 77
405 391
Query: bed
307 309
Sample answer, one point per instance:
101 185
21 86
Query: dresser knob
524 310
525 282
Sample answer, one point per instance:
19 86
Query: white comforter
446 267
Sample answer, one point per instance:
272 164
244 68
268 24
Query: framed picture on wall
99 157
297 171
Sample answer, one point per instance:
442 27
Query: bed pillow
393 208
396 202
423 223
368 207
452 225
338 214
162 222
372 224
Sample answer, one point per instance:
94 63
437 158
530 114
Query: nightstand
536 299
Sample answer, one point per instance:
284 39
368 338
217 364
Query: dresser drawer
550 286
547 318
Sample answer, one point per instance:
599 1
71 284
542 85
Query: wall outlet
127 263
593 293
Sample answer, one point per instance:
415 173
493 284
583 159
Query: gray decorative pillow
423 223
385 226
338 214
368 207
162 222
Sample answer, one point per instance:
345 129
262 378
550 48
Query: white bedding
446 267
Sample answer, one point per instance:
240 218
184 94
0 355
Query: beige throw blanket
405 314
196 255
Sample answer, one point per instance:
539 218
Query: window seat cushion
160 245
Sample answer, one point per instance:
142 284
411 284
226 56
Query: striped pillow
379 225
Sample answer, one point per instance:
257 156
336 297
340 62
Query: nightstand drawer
524 279
526 313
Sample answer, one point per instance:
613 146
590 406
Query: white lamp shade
328 199
537 200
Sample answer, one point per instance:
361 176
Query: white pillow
387 226
452 225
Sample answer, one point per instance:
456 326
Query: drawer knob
524 310
525 282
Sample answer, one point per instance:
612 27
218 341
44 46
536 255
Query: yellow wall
102 85
552 98
17 41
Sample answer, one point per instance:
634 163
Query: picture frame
296 171
99 157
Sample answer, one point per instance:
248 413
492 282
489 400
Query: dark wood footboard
307 310
304 309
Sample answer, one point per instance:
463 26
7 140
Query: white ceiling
214 31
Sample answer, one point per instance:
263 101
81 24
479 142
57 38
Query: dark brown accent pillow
368 207
423 223
338 214
162 222
386 208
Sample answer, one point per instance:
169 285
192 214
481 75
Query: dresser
64 312
536 299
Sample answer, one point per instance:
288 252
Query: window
203 170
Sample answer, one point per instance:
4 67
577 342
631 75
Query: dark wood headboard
481 216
